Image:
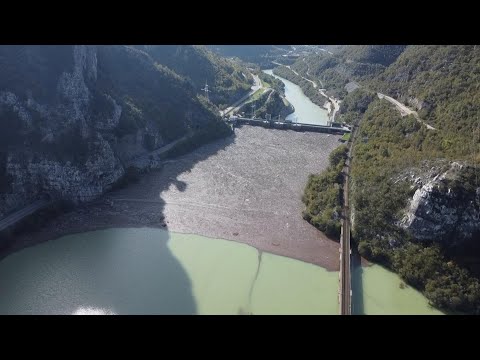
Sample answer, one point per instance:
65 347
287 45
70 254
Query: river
236 242
305 110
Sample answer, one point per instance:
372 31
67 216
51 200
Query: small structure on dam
332 127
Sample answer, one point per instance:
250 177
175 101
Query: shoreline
79 221
334 101
202 193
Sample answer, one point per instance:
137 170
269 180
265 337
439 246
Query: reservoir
236 242
153 271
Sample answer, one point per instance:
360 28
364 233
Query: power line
206 89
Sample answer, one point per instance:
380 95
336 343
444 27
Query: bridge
345 288
345 293
332 128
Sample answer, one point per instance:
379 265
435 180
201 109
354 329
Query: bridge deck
290 125
345 296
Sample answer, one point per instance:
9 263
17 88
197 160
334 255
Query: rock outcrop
445 207
73 117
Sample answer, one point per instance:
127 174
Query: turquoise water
305 110
153 271
377 291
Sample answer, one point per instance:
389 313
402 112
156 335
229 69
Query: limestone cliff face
72 116
33 172
445 207
77 182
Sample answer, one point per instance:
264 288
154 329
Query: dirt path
404 110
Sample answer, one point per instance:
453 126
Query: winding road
145 157
404 110
238 104
22 213
335 102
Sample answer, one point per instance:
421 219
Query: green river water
153 271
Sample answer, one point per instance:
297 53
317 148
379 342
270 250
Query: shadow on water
79 219
126 271
357 285
121 271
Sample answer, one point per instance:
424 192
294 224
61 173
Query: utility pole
206 89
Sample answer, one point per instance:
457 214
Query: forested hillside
333 70
258 54
443 83
227 79
74 116
415 191
371 54
307 87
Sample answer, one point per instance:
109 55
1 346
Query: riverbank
335 102
229 189
306 111
171 273
331 101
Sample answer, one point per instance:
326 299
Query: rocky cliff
445 207
72 116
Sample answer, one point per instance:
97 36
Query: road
20 214
345 249
335 102
404 110
145 158
308 74
236 105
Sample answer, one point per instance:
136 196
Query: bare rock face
74 117
45 119
72 181
446 207
72 88
110 122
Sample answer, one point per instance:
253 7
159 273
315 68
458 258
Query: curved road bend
404 110
237 104
335 102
